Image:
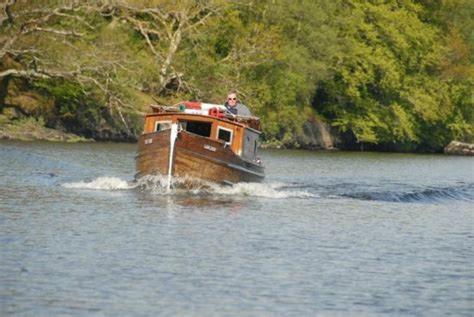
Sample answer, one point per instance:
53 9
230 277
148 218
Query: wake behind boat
200 140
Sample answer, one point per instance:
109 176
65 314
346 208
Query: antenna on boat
173 135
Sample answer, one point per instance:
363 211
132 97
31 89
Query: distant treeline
392 74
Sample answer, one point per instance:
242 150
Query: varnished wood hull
194 156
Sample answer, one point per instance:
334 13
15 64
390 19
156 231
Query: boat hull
193 156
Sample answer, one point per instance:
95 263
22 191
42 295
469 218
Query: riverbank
459 148
30 129
320 138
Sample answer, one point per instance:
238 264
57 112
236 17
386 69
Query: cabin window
197 127
250 144
162 125
224 134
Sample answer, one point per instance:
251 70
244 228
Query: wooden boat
200 140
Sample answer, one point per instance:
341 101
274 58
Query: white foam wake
157 184
269 190
105 183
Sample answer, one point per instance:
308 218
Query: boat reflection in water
199 140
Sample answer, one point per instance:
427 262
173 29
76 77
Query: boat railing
250 121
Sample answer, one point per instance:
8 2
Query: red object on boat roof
216 112
192 105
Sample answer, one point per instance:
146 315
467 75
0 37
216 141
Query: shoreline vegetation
351 75
30 129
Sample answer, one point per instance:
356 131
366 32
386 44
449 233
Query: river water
326 234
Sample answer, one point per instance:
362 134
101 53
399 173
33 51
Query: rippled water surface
328 234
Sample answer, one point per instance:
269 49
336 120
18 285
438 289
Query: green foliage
74 110
386 85
389 72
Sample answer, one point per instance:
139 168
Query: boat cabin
210 121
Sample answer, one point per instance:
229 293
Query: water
327 234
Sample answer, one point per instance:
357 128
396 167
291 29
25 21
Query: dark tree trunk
3 91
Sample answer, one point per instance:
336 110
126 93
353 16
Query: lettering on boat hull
209 147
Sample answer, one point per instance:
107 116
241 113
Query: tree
52 41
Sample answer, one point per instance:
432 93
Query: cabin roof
190 116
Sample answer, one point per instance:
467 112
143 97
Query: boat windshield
197 127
